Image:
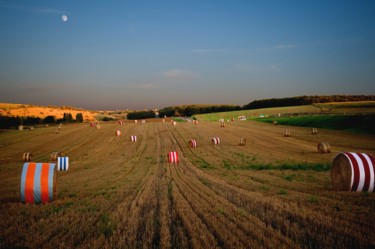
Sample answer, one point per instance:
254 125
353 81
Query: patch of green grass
289 177
227 165
220 210
283 192
204 165
351 123
106 226
264 188
313 199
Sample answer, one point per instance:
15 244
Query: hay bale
118 133
287 133
38 183
314 131
31 128
173 157
242 141
133 138
174 123
193 143
46 125
215 140
98 127
135 121
222 124
57 131
324 147
274 122
353 172
143 121
62 163
163 120
20 127
55 155
27 157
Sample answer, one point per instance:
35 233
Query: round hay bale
98 127
38 183
314 131
242 141
163 120
274 122
143 121
57 131
118 133
173 157
353 172
287 133
174 123
46 125
232 119
133 138
27 157
62 163
135 121
222 124
55 155
324 147
92 124
20 127
31 128
215 140
193 143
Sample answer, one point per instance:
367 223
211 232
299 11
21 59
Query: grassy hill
361 107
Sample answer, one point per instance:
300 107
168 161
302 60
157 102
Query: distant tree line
141 115
305 100
190 110
13 122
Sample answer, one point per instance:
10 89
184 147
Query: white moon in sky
64 18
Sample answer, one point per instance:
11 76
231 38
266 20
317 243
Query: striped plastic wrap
193 143
133 138
38 183
173 157
62 163
215 140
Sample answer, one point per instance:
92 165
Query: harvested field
119 194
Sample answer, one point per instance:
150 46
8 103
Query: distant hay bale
46 125
287 133
118 133
173 157
38 183
163 120
193 143
20 127
92 124
27 157
120 122
222 124
59 126
314 131
353 172
62 163
143 121
232 119
174 123
324 147
55 155
242 141
133 138
135 121
98 127
274 122
215 140
31 128
57 131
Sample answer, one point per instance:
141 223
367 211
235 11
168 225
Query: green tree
79 117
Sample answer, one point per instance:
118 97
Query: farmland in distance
119 194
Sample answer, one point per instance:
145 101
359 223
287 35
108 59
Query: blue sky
151 54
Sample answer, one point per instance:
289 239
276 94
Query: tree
50 120
79 117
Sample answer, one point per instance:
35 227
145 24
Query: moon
64 18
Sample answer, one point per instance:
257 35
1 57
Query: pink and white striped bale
173 157
215 140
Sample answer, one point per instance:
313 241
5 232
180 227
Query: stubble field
119 194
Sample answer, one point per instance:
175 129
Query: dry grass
119 194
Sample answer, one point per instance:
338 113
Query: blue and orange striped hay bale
38 182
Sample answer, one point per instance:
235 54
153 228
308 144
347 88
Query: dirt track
126 195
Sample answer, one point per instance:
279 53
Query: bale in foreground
353 172
38 182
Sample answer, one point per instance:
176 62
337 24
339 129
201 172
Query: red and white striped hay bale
92 124
120 122
55 155
173 157
193 143
133 138
353 172
314 131
287 133
118 133
242 141
62 163
215 140
324 147
27 157
38 182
